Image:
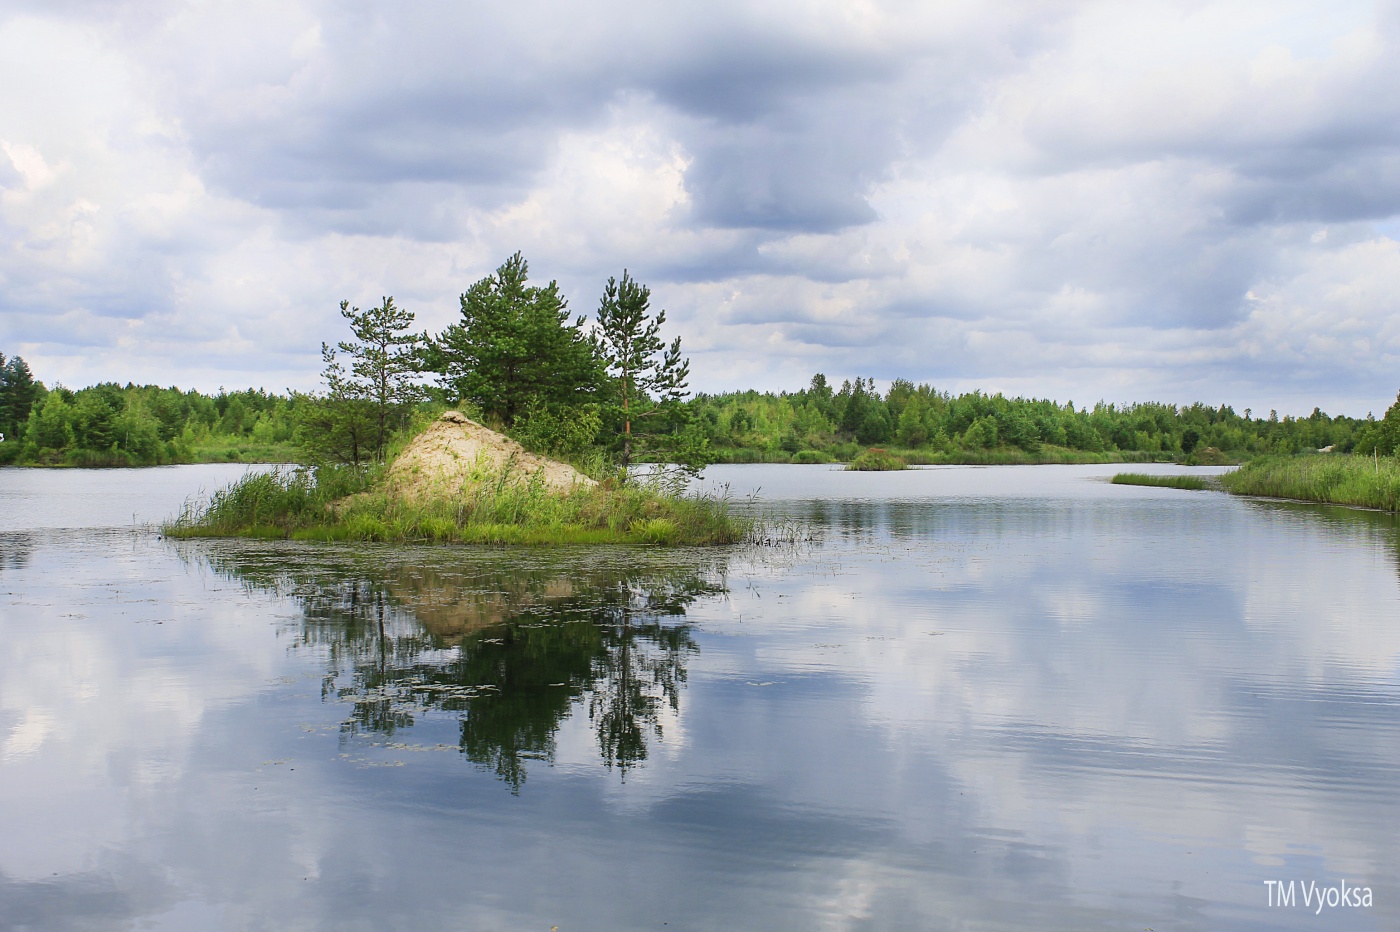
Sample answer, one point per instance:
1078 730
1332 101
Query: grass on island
345 504
877 460
1333 478
1190 483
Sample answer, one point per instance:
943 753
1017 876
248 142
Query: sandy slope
455 451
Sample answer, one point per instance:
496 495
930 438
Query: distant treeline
138 425
820 422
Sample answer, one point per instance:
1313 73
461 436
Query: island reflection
511 647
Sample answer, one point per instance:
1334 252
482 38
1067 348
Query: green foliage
877 460
1363 481
927 425
1189 483
335 429
981 434
114 425
566 433
514 348
913 432
1381 438
50 428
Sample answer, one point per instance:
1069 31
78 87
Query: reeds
1189 483
1361 481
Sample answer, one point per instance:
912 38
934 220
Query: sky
1166 201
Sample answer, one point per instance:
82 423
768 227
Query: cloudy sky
1081 200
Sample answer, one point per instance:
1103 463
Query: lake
976 698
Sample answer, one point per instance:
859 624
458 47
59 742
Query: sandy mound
455 451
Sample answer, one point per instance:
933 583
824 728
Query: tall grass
1190 483
1333 478
330 504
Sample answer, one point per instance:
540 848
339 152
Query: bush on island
877 460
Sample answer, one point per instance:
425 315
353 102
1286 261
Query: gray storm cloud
1132 202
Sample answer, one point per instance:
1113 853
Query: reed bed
1338 479
1189 483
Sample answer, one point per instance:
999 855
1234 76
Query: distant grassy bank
1336 479
221 450
997 456
346 504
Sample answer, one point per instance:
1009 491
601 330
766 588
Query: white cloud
1043 198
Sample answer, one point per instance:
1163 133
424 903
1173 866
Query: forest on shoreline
109 425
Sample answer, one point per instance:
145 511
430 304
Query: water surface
994 698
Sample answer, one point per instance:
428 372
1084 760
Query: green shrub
656 531
877 460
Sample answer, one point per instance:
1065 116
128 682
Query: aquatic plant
1189 483
1339 479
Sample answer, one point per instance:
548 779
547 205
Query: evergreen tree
648 377
514 348
386 364
820 394
352 421
18 391
863 417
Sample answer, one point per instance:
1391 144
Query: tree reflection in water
512 647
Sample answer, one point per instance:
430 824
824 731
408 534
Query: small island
458 481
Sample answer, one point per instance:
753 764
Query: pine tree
514 348
352 421
648 376
386 363
18 391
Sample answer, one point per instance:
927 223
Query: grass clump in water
1190 483
1333 478
877 460
336 504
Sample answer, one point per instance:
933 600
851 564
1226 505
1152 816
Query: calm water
995 698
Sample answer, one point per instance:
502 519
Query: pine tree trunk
626 435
